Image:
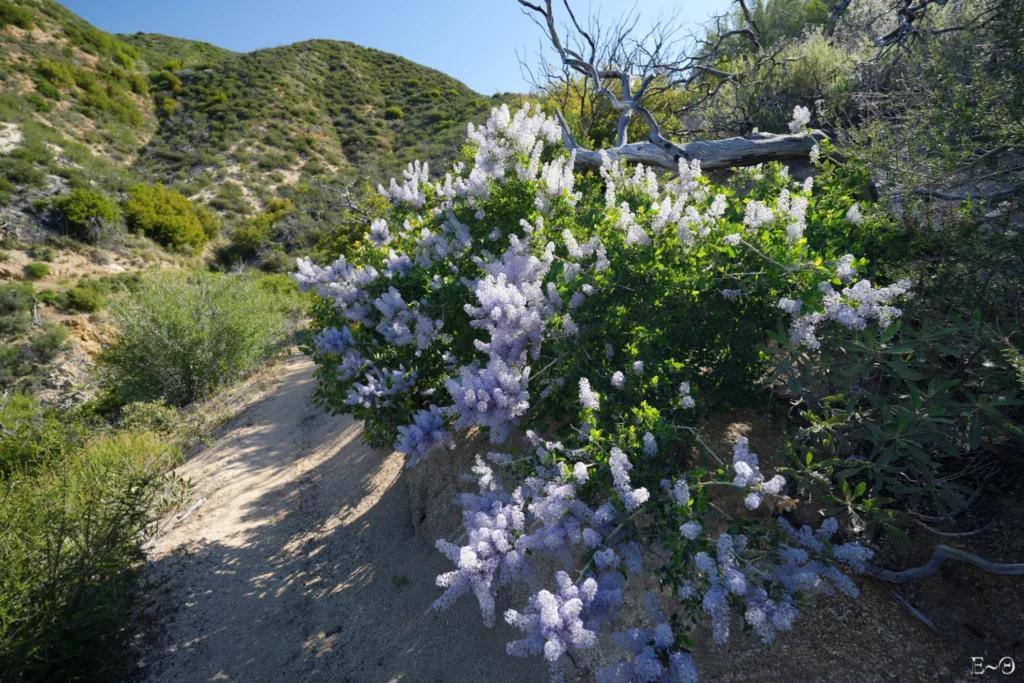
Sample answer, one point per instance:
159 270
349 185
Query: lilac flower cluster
427 432
620 466
512 305
748 475
647 648
493 396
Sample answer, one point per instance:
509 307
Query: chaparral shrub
84 214
76 507
181 335
602 314
168 217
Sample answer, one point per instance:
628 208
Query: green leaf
890 332
974 440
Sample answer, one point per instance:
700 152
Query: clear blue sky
473 40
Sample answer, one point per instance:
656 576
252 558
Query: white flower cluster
617 177
852 308
684 391
631 497
801 119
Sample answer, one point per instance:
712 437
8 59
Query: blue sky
473 40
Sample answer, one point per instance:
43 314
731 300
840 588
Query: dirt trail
303 565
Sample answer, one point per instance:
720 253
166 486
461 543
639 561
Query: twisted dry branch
939 557
658 151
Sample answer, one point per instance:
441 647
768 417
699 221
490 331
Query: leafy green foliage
15 308
15 15
75 509
83 300
911 420
48 343
37 270
179 337
168 217
252 237
85 214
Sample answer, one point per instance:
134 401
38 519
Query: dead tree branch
624 70
939 557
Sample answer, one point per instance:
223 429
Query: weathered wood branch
658 151
939 557
713 154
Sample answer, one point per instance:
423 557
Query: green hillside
314 107
103 113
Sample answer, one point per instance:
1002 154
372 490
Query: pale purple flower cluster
794 209
757 214
617 177
791 306
801 119
690 530
645 648
589 398
490 555
512 306
684 391
417 178
853 215
379 234
852 308
748 475
620 466
427 432
380 386
333 340
493 396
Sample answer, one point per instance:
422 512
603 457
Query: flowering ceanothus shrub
605 311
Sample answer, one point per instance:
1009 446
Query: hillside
315 107
102 111
253 148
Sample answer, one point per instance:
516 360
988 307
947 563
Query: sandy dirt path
303 565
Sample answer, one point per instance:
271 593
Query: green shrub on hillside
168 217
150 416
12 364
252 236
16 302
83 300
393 112
180 336
13 15
37 270
85 214
48 343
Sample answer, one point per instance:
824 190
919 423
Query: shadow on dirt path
302 565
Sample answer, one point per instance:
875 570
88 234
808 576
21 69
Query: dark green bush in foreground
179 337
75 505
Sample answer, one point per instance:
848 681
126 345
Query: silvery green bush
181 335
